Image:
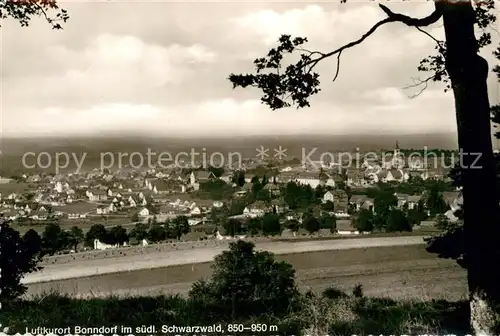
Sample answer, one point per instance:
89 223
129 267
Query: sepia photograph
249 167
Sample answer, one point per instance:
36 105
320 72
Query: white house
328 196
195 211
102 246
256 209
218 204
195 221
77 215
112 207
59 187
413 201
102 210
311 179
132 202
97 195
394 175
330 182
144 212
221 237
41 214
342 215
200 176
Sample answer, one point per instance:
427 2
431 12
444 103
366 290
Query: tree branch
428 34
419 82
24 10
391 17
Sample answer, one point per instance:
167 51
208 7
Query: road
86 268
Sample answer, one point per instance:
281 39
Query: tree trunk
468 73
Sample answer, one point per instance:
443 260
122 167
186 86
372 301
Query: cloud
110 68
162 68
389 95
270 25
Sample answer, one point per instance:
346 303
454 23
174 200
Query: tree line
271 224
388 217
54 239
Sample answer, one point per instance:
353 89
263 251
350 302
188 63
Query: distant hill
13 149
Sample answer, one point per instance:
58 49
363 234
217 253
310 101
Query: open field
171 255
393 271
13 187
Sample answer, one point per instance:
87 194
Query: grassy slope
340 316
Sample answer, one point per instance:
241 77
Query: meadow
391 271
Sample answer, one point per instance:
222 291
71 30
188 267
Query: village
262 198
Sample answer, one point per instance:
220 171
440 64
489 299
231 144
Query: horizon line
215 136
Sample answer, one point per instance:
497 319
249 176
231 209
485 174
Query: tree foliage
364 221
54 239
299 196
157 233
25 11
435 202
292 225
245 280
384 202
18 257
238 178
328 206
96 231
327 221
32 241
397 221
117 235
232 227
180 226
139 232
76 236
271 224
310 223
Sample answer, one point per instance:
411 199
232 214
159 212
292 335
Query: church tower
396 149
397 160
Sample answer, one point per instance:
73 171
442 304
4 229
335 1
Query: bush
310 223
96 231
245 282
333 293
271 224
358 291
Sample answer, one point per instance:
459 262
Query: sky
161 68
